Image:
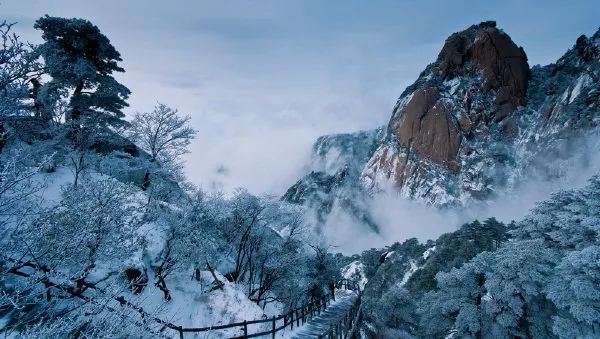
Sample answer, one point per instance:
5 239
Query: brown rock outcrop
425 125
485 50
428 123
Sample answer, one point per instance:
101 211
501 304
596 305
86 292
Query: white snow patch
428 252
53 183
194 305
380 170
453 84
565 95
582 82
388 254
413 268
355 271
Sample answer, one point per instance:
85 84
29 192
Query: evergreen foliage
81 61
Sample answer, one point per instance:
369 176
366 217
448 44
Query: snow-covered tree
255 247
18 66
80 61
499 294
78 162
456 307
322 270
575 290
568 220
191 241
165 135
94 222
18 188
395 312
60 269
456 248
516 304
237 236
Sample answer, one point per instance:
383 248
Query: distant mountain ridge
336 167
476 122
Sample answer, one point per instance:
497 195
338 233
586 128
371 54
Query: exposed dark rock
137 278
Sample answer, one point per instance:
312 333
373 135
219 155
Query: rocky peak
333 181
478 116
468 94
475 123
425 125
588 48
485 50
586 51
484 60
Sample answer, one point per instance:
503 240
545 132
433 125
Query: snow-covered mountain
476 124
333 181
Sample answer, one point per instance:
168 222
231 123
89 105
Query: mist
400 219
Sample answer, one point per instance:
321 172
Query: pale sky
263 79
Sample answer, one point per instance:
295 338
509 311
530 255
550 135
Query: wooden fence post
245 329
292 320
180 329
273 327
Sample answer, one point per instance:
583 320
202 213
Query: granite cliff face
488 74
465 97
478 121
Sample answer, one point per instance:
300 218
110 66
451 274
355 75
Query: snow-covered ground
355 271
195 305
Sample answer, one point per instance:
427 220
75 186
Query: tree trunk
162 285
218 283
40 109
76 111
146 182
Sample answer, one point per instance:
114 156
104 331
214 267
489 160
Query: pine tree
81 61
575 289
456 308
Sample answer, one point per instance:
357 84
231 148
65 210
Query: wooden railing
297 317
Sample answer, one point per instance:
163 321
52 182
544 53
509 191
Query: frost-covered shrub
394 311
94 222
